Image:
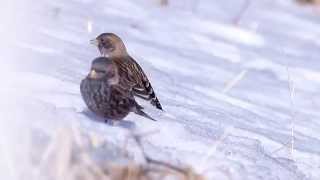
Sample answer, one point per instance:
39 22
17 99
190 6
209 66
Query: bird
110 45
105 96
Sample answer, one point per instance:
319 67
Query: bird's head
110 45
104 69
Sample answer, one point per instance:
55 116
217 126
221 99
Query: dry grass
244 9
233 82
293 111
309 2
290 145
164 2
68 155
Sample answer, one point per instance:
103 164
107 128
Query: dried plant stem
310 2
283 146
164 2
242 12
213 149
149 160
68 156
293 112
229 85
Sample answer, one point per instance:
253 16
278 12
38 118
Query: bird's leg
109 122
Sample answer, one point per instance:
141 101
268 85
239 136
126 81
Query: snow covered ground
241 101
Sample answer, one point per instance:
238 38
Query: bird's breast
104 100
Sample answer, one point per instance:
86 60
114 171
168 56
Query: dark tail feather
152 98
141 113
156 102
151 95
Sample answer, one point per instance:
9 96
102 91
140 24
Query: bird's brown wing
138 80
129 102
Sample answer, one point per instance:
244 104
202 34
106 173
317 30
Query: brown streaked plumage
103 94
110 45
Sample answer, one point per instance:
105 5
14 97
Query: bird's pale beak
94 42
93 74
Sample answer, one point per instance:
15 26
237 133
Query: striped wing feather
133 75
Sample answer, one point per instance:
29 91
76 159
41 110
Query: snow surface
192 52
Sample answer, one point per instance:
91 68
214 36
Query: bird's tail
147 93
154 100
139 111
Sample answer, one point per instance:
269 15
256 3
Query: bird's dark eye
106 43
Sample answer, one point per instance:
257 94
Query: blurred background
239 81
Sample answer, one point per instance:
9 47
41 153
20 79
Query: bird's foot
109 122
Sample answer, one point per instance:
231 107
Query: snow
191 51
